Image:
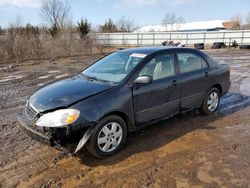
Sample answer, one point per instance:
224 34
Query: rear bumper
36 135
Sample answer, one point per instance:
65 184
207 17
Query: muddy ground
189 150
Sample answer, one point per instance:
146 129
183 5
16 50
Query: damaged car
121 93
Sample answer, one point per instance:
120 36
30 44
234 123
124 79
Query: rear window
189 62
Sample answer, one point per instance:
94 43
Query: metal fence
187 38
156 38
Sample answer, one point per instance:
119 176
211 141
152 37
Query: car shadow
162 133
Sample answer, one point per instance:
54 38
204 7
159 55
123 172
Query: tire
199 46
218 45
209 109
99 142
245 47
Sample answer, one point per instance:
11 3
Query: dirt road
189 150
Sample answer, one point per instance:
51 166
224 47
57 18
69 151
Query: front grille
30 111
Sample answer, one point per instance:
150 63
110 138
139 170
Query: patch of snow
41 84
10 77
44 77
61 76
53 72
189 26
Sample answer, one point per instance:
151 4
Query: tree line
57 16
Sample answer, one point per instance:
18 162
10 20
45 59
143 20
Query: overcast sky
144 12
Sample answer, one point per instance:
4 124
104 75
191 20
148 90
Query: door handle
206 74
174 82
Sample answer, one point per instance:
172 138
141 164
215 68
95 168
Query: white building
212 25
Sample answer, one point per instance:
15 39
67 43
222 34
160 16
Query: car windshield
113 68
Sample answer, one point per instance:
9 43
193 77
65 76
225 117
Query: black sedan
121 93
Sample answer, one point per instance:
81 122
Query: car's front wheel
211 102
108 136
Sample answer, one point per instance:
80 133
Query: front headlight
59 118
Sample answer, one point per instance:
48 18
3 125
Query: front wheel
211 102
108 137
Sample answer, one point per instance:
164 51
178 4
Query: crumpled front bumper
49 138
35 134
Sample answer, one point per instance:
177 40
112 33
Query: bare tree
126 24
108 27
16 23
180 21
248 18
166 20
172 20
1 31
56 13
237 18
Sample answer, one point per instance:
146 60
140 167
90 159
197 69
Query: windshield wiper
95 78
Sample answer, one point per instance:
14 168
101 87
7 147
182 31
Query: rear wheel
108 137
211 102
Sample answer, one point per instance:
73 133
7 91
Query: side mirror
143 80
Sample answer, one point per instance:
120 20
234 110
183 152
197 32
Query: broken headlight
58 118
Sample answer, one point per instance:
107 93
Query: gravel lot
189 150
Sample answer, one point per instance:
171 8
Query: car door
193 78
161 97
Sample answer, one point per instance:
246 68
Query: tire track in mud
13 96
142 164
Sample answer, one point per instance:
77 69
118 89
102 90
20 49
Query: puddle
233 102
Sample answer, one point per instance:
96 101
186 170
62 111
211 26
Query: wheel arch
218 86
124 116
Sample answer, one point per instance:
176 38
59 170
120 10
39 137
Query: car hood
65 92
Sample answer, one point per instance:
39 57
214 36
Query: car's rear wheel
108 137
211 102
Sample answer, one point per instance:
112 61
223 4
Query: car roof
148 50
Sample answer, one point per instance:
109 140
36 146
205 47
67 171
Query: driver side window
162 66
